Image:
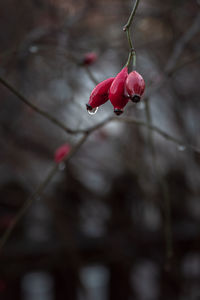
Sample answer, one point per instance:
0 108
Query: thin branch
185 63
156 129
86 133
39 190
149 122
181 43
26 205
99 125
159 131
126 28
164 188
90 75
130 20
167 222
45 114
171 65
36 108
95 127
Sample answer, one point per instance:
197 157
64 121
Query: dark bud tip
88 107
118 111
135 98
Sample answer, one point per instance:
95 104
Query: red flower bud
116 93
89 58
135 86
61 152
99 94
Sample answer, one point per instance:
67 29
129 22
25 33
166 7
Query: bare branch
171 66
90 75
159 131
36 108
130 20
126 28
40 189
181 43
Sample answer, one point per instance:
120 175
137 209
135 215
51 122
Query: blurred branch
130 20
167 222
181 65
171 65
26 205
97 126
159 131
181 43
36 108
91 76
39 190
39 110
151 127
86 133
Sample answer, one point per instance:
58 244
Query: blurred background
121 220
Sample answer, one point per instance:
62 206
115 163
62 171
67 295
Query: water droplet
93 111
181 148
140 105
61 166
33 49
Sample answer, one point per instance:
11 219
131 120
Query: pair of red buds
119 90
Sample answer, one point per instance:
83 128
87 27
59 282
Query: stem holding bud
126 28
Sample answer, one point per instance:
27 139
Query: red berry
135 86
116 94
99 94
61 152
89 58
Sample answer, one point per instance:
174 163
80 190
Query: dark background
121 220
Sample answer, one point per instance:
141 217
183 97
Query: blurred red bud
61 153
89 58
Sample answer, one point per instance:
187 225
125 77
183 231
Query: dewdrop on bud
99 95
91 111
